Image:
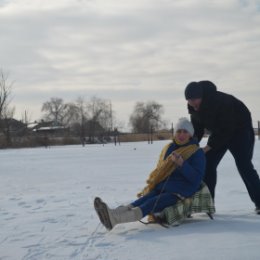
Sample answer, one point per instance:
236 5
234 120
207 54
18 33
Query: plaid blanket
201 201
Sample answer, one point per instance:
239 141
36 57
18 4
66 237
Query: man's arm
198 128
224 123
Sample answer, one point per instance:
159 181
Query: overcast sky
128 51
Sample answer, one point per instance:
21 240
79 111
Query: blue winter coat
185 180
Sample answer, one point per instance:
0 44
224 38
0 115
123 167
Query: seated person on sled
178 175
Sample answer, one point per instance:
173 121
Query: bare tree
55 110
71 115
146 117
5 94
6 112
100 117
80 118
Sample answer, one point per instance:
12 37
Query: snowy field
46 207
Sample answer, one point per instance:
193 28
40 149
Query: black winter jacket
221 114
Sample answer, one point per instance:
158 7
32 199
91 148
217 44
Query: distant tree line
85 119
6 111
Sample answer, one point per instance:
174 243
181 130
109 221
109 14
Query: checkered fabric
200 202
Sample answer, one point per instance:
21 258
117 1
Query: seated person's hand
176 158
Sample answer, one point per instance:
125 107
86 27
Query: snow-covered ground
46 207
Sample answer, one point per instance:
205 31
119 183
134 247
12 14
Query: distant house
12 126
49 128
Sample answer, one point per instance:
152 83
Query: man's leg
213 157
241 147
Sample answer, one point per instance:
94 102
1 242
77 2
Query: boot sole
102 211
97 202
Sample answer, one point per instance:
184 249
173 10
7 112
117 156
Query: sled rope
157 220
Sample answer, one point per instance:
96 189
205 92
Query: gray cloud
128 51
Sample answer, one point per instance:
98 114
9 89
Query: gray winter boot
99 206
117 217
111 217
123 208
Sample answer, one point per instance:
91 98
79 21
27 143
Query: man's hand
206 149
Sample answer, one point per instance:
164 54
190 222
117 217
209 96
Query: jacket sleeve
198 128
224 124
197 124
193 169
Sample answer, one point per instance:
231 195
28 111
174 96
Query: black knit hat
193 90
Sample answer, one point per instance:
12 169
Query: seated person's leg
157 203
144 198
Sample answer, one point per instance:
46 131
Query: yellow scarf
166 167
